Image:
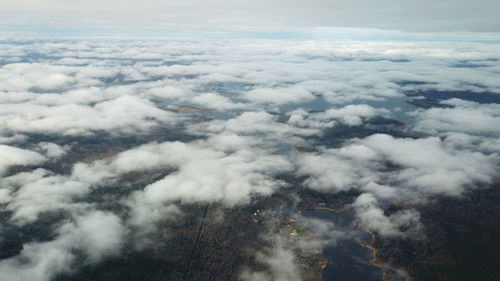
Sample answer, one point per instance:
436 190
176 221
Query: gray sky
406 15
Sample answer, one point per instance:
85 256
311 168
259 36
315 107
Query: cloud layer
112 140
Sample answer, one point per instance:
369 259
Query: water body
347 259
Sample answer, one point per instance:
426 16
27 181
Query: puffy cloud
101 234
17 156
421 168
24 76
434 166
253 122
97 234
281 265
464 117
324 232
224 168
52 150
166 91
328 172
204 174
32 193
428 165
294 94
125 114
352 115
372 218
218 102
54 81
28 195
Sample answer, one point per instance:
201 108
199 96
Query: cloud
24 76
332 171
324 232
52 150
126 114
17 156
101 234
224 168
217 102
372 218
251 123
97 234
351 115
429 166
294 94
281 265
423 168
231 176
435 166
463 117
32 193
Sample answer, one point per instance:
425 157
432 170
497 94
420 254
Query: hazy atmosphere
405 15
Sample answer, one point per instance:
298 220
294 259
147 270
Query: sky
404 15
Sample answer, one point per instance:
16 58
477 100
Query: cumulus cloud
204 174
32 193
52 150
224 168
24 76
17 156
463 117
251 123
332 169
421 168
324 232
125 114
294 94
281 265
218 102
97 234
429 166
372 218
351 115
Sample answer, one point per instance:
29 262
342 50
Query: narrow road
185 276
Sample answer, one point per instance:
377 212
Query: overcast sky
405 15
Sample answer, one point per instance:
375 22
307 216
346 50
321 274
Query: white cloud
52 150
204 174
464 117
351 115
218 102
372 218
17 156
126 114
294 94
32 193
282 266
426 166
98 234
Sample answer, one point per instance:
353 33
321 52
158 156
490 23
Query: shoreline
325 208
374 260
377 262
